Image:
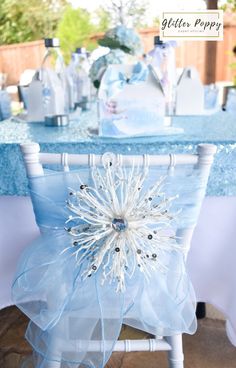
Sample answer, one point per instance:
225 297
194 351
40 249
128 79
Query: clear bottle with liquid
79 69
54 89
162 59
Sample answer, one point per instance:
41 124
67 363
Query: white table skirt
211 261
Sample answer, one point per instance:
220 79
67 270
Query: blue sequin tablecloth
219 129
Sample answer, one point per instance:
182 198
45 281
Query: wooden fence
14 59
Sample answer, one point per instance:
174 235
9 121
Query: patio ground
208 348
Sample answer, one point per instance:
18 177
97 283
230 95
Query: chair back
199 163
119 261
35 160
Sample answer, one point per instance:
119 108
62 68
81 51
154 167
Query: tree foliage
130 13
104 19
29 20
229 5
74 30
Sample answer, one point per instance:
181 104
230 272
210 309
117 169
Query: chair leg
54 346
39 361
175 355
53 365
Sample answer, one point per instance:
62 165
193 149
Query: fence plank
14 59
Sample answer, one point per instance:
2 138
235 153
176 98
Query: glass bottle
80 70
162 58
55 91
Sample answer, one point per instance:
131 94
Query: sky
154 6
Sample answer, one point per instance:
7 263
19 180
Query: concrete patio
208 348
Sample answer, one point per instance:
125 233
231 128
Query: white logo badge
199 25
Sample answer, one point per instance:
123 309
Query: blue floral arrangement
121 40
99 66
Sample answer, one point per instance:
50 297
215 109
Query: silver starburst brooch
120 224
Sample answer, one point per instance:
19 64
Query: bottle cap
51 42
157 41
57 120
80 50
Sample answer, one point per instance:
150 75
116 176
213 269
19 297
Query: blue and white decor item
122 41
50 80
5 105
211 97
131 102
231 100
189 103
162 59
110 252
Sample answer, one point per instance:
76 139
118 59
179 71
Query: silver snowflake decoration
119 225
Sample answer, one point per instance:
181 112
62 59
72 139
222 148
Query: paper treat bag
131 101
189 93
35 101
46 87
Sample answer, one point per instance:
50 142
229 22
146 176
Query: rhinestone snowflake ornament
120 225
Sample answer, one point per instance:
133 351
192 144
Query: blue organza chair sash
68 311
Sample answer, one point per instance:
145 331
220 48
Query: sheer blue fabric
68 313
